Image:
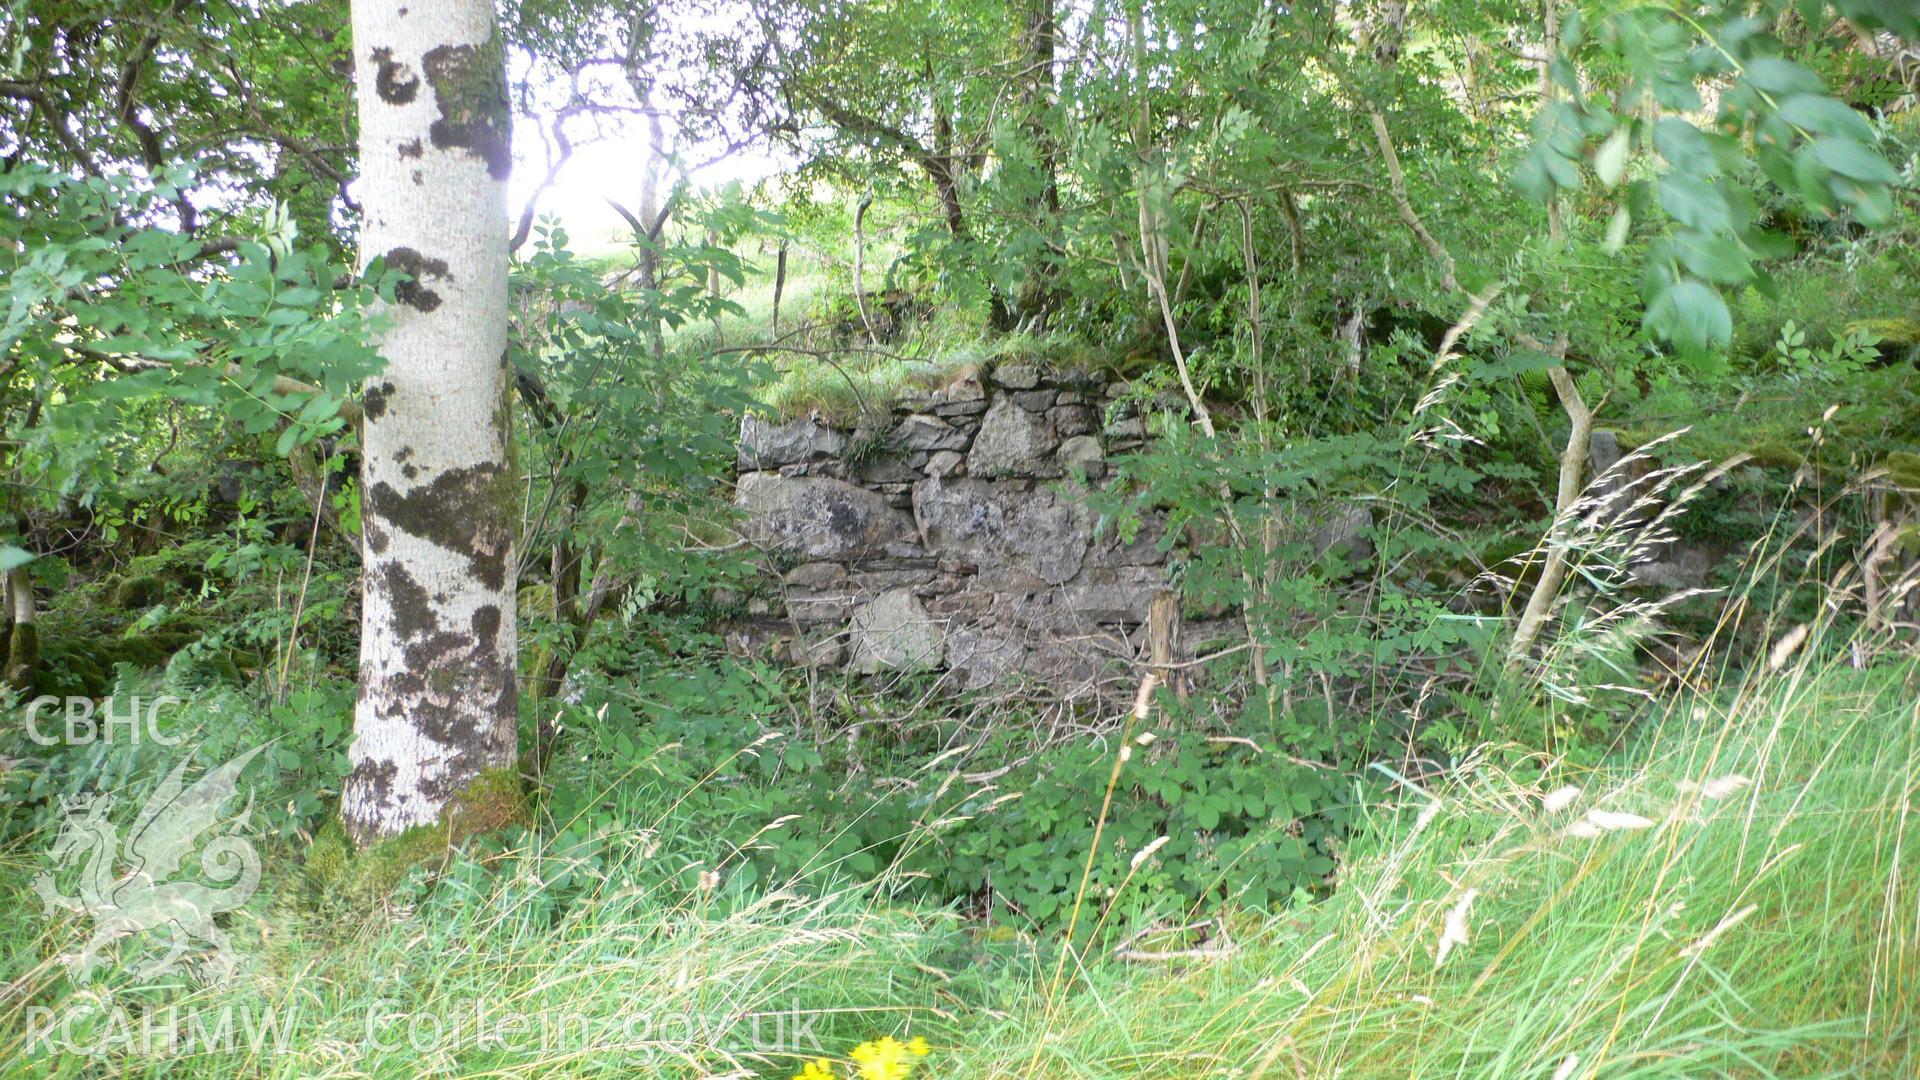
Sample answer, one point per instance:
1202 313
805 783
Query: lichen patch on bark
470 89
419 269
394 81
463 510
374 405
453 686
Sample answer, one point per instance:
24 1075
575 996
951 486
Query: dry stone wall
951 535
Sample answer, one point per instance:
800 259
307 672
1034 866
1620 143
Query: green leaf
1694 316
1531 178
1618 227
12 558
1872 204
1776 76
1715 258
1778 165
1610 161
1849 158
1823 115
1682 144
1572 30
319 407
1561 168
1694 203
1811 178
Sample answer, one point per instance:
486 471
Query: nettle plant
1717 106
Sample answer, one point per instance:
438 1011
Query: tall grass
1737 896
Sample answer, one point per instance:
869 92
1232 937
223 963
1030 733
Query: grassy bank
1734 896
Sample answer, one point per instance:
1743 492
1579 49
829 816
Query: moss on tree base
493 801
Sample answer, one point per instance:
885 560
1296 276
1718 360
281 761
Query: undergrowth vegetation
1733 894
1512 416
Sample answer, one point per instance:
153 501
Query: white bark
438 687
23 636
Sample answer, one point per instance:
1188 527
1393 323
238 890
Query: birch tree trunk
23 638
438 691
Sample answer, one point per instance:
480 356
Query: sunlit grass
1763 925
1735 897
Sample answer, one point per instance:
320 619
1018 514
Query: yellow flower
886 1059
817 1069
918 1047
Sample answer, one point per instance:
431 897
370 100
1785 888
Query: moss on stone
139 591
1889 331
1903 469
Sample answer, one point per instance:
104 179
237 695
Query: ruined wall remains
950 536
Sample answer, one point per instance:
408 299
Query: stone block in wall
1069 420
1081 455
961 408
943 463
966 606
1013 442
1142 550
962 388
1015 523
1037 401
885 469
1065 666
816 575
833 467
1017 376
982 656
1342 527
893 632
1108 595
821 607
924 431
823 651
914 578
767 445
822 518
